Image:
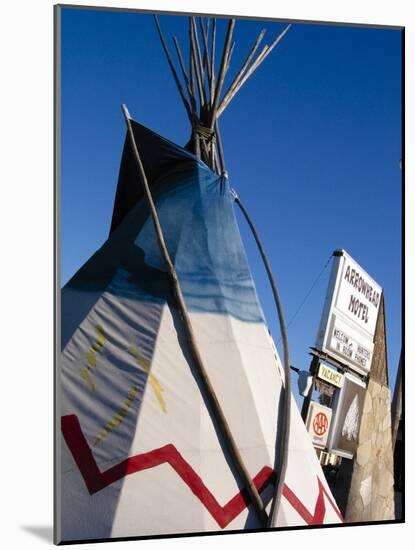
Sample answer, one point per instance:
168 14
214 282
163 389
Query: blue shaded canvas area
196 212
197 216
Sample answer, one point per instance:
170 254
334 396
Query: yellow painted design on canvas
155 384
87 377
118 418
91 358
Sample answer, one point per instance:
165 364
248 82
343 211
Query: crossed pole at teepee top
201 89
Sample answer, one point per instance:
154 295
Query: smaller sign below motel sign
318 423
330 375
350 313
347 413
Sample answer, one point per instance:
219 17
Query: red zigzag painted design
96 480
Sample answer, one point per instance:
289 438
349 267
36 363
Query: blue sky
312 145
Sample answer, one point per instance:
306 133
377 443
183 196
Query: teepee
173 413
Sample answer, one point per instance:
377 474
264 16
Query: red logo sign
320 424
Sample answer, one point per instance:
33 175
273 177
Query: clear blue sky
312 144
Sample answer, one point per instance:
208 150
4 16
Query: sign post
307 399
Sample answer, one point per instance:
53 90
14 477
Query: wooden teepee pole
185 76
228 61
198 55
220 150
198 362
195 62
205 37
222 72
243 76
212 63
242 70
173 70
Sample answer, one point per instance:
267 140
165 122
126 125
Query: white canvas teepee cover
140 453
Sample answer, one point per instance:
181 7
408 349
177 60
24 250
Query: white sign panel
347 413
353 347
358 295
318 423
350 313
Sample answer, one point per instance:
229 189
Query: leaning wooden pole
213 400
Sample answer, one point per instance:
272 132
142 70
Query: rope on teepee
282 462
